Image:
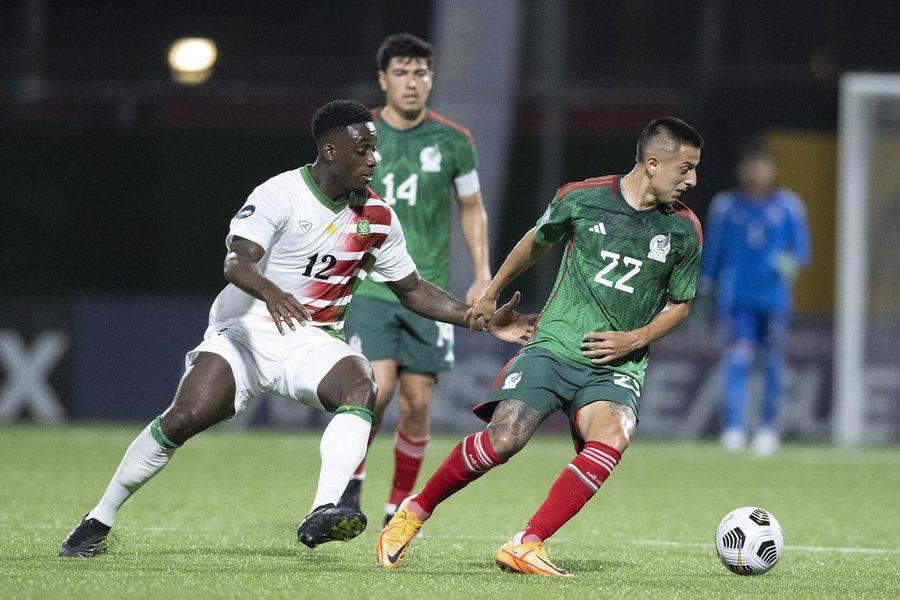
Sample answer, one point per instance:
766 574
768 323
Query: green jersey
618 267
417 171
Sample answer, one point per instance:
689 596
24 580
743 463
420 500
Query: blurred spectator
756 243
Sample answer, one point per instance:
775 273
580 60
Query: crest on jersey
363 229
659 247
512 380
245 212
305 226
430 158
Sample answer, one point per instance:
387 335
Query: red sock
360 471
577 483
469 460
408 454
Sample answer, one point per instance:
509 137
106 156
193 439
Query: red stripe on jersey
322 290
375 211
327 314
686 213
604 181
445 121
351 242
345 268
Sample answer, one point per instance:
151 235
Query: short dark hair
403 44
673 129
338 114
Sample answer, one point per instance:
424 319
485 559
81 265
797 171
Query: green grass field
221 521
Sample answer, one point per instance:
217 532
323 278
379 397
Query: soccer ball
749 541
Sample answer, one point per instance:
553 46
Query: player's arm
525 253
432 302
473 219
603 347
242 270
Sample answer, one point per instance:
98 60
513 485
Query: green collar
327 202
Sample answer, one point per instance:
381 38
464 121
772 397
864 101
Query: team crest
659 247
512 380
362 228
305 226
430 158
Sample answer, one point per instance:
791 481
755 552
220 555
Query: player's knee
415 407
361 391
506 443
179 425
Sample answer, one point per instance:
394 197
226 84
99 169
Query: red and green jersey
619 266
418 169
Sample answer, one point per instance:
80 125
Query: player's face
406 83
353 156
756 173
672 173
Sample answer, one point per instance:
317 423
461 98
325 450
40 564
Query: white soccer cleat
766 442
733 440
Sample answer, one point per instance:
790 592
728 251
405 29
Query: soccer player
296 250
757 242
631 247
424 161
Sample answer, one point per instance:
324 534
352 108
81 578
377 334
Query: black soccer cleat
350 497
86 540
330 523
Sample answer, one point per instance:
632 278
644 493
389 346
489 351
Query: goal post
867 290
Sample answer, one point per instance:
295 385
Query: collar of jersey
327 202
380 122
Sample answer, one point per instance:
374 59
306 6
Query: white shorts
264 361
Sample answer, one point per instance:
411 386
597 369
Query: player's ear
327 151
382 80
651 165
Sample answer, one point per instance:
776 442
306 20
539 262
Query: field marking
487 538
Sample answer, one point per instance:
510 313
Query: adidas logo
599 228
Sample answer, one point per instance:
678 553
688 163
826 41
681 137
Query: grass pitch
220 521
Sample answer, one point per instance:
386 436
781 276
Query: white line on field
488 538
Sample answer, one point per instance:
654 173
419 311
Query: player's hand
284 307
482 311
510 326
603 347
476 290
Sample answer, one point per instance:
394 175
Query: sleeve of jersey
261 217
556 222
393 262
683 279
465 178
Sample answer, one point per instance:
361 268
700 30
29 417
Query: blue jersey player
756 243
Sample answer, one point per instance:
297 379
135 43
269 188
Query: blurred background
118 176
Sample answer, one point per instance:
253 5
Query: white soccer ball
749 541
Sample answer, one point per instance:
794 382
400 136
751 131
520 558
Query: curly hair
338 114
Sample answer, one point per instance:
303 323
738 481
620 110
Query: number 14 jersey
618 267
317 249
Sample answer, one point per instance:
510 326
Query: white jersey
316 249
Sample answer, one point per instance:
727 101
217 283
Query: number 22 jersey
618 267
317 249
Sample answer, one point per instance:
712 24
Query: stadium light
191 60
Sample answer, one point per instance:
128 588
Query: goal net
867 311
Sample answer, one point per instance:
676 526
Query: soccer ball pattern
749 541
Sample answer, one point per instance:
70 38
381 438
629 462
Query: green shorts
549 383
384 330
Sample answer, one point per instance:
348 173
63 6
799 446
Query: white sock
342 448
143 459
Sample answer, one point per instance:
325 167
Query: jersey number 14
405 191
